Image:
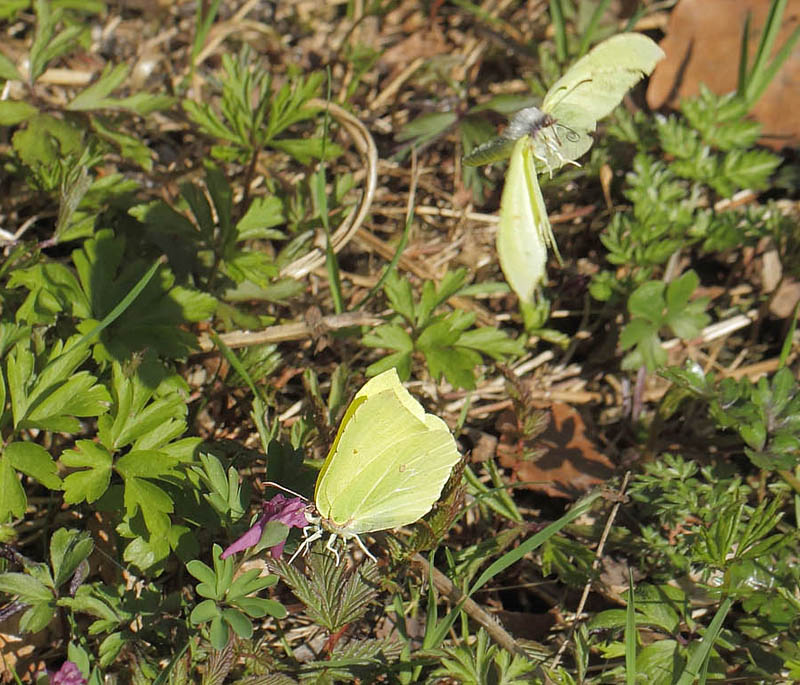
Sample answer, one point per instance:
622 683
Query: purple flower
290 511
68 674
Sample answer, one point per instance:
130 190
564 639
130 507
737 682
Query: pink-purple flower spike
68 674
288 510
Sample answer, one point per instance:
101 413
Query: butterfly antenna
572 135
273 484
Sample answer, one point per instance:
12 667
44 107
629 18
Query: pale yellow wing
389 462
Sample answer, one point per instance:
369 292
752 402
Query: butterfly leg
307 540
329 546
364 549
544 161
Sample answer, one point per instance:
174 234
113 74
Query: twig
366 146
597 556
445 587
300 330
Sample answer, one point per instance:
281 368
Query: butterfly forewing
405 487
597 82
524 232
389 461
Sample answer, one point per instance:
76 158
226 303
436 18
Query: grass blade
630 634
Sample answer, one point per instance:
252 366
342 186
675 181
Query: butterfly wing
494 150
524 231
596 83
389 462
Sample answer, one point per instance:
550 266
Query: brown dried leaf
570 464
702 46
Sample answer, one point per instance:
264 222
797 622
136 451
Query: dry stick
445 587
299 330
390 90
366 145
236 24
595 564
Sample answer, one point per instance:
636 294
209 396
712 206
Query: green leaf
45 141
684 317
47 45
57 394
399 360
205 117
457 364
94 96
659 661
288 105
241 625
492 342
37 617
13 112
110 648
12 494
68 549
307 150
204 612
28 589
153 320
8 70
78 396
147 553
254 607
146 464
747 169
142 495
202 572
219 633
148 410
647 301
398 292
390 336
248 583
89 484
34 461
426 127
130 146
250 265
264 213
151 500
432 296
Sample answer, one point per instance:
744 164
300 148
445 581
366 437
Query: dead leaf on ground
425 44
570 465
785 298
702 46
